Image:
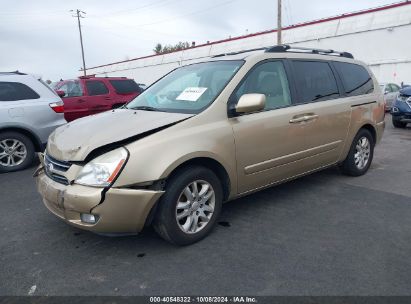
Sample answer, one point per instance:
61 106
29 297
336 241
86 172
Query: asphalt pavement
323 234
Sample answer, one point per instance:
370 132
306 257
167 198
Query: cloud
41 37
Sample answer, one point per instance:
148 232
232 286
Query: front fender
156 156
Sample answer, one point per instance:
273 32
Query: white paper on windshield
191 94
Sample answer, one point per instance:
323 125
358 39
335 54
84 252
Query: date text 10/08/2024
236 299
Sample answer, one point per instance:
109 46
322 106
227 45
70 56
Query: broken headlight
102 171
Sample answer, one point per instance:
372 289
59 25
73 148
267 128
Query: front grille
53 167
57 164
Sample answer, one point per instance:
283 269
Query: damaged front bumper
116 210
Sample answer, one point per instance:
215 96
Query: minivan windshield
189 89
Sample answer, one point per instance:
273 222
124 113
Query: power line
116 23
142 7
185 15
79 15
30 13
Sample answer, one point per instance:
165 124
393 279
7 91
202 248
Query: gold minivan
210 132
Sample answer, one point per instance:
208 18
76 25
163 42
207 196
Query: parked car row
30 110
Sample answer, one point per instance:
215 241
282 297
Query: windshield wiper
145 108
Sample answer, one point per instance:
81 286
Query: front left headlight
101 171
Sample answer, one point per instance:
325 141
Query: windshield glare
189 89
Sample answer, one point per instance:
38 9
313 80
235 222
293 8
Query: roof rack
12 73
288 48
87 76
285 48
239 52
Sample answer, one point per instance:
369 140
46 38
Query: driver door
268 147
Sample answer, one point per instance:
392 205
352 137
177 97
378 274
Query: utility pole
279 23
78 15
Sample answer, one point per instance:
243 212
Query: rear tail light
57 107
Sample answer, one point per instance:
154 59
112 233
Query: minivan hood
75 140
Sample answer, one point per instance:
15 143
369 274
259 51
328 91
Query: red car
90 95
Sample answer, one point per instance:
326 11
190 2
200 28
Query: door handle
81 100
305 117
107 98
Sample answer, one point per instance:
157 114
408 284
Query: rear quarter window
355 78
315 81
11 91
126 86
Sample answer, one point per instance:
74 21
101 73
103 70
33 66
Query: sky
41 37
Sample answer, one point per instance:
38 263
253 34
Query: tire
23 155
166 223
351 166
398 124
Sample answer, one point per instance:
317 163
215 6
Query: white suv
29 111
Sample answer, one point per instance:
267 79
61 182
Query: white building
378 36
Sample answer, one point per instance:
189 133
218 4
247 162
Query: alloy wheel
13 152
195 206
362 153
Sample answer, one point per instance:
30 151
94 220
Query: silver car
390 91
29 111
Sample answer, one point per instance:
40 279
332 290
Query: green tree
160 49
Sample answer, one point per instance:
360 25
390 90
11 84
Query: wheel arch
211 164
353 133
371 129
38 146
204 161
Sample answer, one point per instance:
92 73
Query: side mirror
61 93
386 91
250 103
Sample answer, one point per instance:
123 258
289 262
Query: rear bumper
117 210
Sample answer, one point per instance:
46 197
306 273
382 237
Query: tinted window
10 91
315 81
355 78
72 88
96 88
126 86
269 79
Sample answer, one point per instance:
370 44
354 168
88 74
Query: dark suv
401 109
90 95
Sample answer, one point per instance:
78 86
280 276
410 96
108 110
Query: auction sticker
191 94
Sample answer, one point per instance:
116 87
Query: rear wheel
398 124
190 206
16 151
360 156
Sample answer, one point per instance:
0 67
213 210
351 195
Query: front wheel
360 156
190 206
